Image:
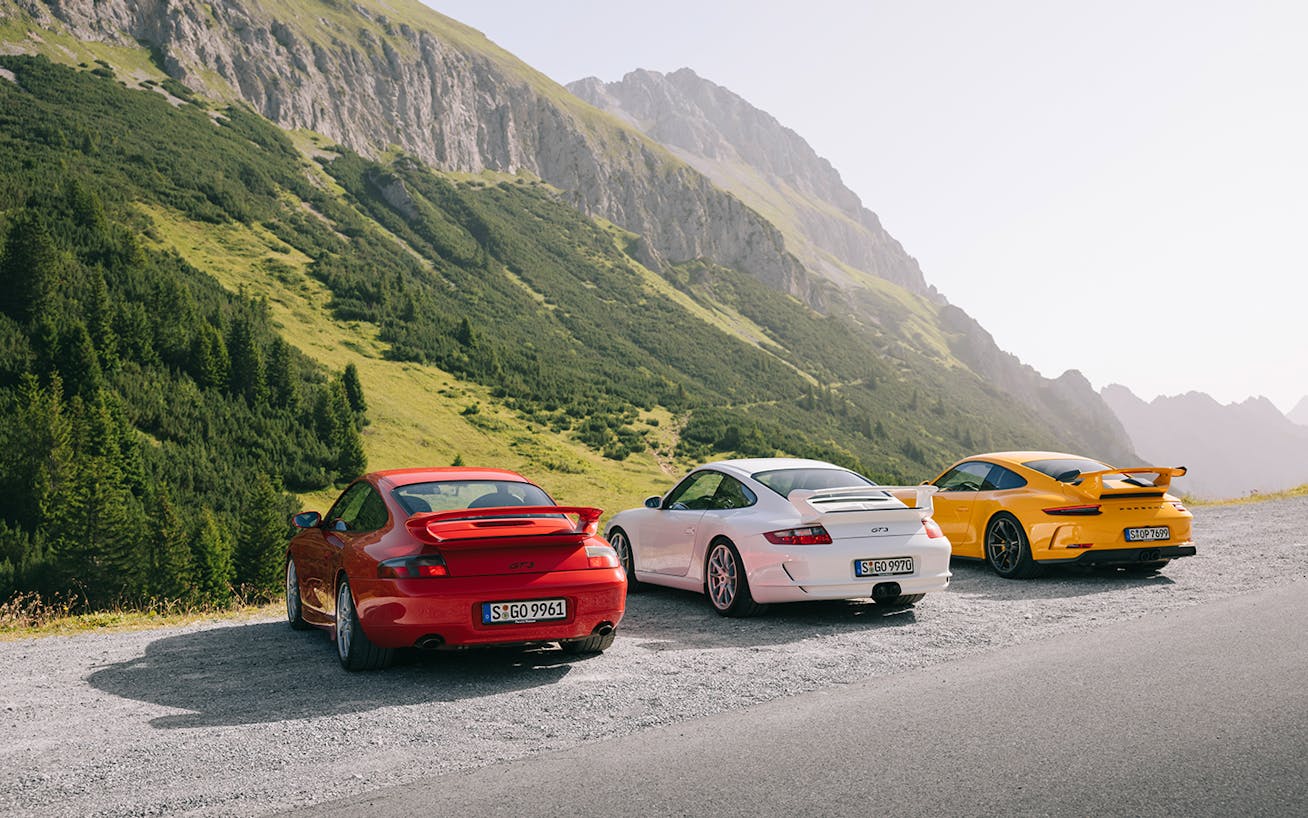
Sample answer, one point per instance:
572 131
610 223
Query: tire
622 544
1145 567
294 605
899 601
1008 551
725 583
591 644
355 649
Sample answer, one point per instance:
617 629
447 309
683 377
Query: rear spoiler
505 526
1092 482
816 503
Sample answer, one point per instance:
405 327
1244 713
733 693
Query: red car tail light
601 556
427 565
932 528
1073 511
811 535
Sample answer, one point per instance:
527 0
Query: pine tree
94 527
168 552
210 363
30 270
354 389
212 571
261 541
100 315
247 376
283 384
77 362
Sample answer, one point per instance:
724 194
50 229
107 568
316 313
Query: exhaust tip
885 590
603 628
431 641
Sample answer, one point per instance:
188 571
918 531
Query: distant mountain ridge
1299 414
1231 449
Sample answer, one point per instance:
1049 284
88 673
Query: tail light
811 535
601 556
1073 511
932 528
427 565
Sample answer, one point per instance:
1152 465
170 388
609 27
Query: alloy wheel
344 621
723 577
1004 545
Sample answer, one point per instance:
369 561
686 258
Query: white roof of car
754 465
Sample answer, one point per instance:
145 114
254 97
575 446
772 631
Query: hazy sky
1115 187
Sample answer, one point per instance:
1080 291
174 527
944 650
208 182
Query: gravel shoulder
249 718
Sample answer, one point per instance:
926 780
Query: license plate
1149 534
531 610
889 566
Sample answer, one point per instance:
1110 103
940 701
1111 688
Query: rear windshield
1065 470
784 481
449 495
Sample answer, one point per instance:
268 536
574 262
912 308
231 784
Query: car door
956 505
321 553
668 541
358 525
730 501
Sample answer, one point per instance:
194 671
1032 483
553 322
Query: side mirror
306 519
653 502
925 483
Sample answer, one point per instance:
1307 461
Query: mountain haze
1230 449
429 145
772 169
1299 414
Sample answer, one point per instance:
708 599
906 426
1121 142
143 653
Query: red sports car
452 557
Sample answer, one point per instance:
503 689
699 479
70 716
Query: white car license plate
530 610
1148 534
890 566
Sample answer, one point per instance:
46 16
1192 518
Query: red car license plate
523 611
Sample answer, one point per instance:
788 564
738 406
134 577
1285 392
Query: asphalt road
1196 711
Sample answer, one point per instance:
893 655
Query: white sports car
750 532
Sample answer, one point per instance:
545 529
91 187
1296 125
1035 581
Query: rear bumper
795 574
1125 556
397 613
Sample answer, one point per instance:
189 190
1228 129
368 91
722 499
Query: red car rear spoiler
1092 482
505 526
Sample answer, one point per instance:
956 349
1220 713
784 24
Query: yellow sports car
1022 510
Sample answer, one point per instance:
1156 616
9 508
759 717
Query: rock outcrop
371 75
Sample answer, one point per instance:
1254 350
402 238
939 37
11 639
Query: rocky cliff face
375 74
1231 450
732 142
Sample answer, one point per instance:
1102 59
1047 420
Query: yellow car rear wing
1092 482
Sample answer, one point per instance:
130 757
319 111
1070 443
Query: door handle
690 530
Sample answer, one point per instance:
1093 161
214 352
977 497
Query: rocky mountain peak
733 142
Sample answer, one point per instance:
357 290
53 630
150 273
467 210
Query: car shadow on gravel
670 619
265 672
974 578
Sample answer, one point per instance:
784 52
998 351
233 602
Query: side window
359 509
1001 479
731 493
964 477
372 515
696 491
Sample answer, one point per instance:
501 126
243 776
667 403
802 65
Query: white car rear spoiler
813 504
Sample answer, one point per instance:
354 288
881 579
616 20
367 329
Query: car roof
393 478
747 467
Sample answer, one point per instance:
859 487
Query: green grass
415 410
